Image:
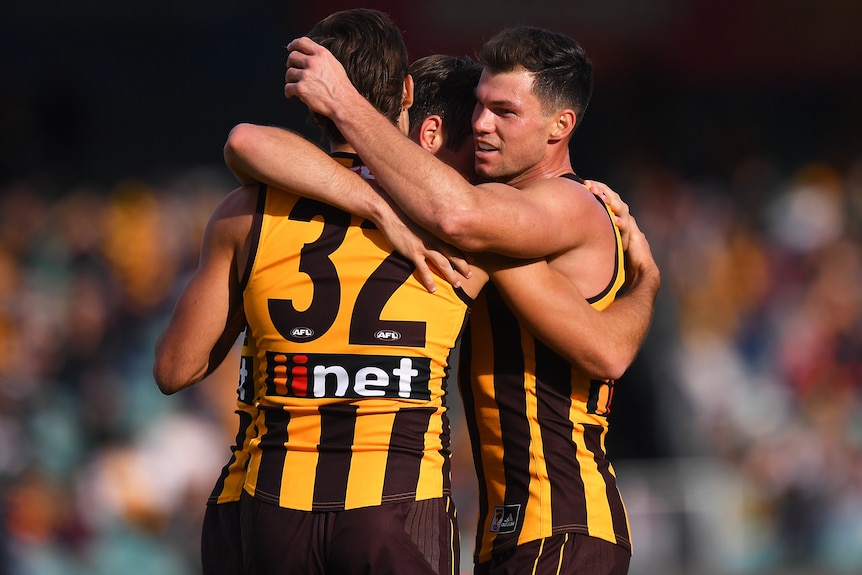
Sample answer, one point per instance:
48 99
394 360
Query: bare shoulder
561 185
241 201
231 220
496 188
566 194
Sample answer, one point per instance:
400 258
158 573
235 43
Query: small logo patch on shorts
505 518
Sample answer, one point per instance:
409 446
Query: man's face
509 125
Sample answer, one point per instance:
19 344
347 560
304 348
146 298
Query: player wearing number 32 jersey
353 353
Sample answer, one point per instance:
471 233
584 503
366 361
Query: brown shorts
563 554
221 543
416 537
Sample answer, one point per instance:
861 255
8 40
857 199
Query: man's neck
552 165
343 148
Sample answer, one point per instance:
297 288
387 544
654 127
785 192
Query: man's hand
617 206
640 264
316 77
423 249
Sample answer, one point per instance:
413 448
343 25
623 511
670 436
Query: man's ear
563 124
430 134
407 93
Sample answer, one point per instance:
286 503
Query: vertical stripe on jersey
368 467
230 481
512 399
468 400
406 448
553 387
272 442
593 438
337 431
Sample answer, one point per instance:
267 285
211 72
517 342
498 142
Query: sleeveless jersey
353 356
229 485
537 431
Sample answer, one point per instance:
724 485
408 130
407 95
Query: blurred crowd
101 474
761 323
758 336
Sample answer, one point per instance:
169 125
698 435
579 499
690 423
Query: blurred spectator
758 330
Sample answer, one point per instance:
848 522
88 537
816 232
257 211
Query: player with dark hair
296 377
548 490
348 466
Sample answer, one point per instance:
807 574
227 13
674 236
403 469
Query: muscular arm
257 154
602 343
286 160
208 316
433 194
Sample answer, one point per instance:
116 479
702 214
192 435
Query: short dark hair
562 73
445 86
371 49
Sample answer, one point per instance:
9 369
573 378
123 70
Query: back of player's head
444 86
371 49
562 73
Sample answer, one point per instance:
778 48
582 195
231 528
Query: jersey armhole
618 276
616 280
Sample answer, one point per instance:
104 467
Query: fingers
461 265
303 44
444 265
293 74
599 189
452 267
610 197
620 209
300 51
424 275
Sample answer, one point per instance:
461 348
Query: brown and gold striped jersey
538 431
229 485
353 354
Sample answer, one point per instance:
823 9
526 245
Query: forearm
429 191
552 309
627 320
185 356
208 316
288 161
225 342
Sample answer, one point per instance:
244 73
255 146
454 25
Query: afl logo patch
387 335
302 332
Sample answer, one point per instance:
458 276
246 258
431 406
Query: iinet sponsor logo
318 376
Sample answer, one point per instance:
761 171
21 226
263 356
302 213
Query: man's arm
208 316
257 154
433 194
602 343
285 159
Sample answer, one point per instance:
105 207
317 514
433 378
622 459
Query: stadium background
732 128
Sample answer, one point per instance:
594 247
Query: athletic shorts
563 554
413 537
221 542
